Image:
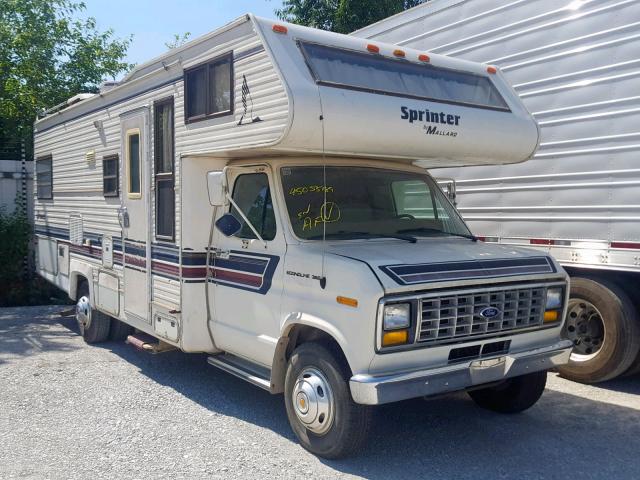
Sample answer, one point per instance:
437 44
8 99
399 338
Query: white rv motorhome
574 64
260 194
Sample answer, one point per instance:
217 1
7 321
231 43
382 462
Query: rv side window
336 67
133 163
164 174
209 89
44 177
252 194
110 167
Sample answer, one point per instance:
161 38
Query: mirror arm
253 229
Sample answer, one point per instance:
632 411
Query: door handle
220 253
123 217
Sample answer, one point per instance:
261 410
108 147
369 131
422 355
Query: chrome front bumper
376 390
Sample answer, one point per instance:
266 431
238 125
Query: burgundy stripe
237 277
631 245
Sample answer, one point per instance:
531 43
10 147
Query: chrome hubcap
585 329
83 313
313 400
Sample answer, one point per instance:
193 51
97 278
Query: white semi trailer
576 66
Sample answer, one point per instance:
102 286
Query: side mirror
216 185
228 225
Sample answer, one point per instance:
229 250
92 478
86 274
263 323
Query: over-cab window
133 163
209 89
336 67
44 177
252 194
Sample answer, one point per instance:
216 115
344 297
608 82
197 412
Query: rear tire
512 396
94 325
609 308
119 330
324 417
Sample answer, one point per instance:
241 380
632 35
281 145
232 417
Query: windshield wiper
399 236
426 229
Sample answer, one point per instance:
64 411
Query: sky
153 23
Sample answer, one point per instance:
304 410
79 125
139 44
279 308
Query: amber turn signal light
349 302
551 316
399 53
396 337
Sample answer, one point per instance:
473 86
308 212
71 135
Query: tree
178 40
48 55
343 16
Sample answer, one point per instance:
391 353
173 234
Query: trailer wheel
604 327
512 396
319 406
119 331
93 325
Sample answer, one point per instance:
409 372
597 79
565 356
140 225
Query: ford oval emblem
489 312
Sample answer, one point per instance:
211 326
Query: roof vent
108 85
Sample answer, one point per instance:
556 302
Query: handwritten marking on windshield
329 213
301 190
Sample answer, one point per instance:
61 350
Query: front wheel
319 406
512 396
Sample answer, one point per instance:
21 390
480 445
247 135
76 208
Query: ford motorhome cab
261 194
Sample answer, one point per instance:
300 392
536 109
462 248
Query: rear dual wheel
604 327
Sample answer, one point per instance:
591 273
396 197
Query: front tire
319 406
604 326
93 325
512 396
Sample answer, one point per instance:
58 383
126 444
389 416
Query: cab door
136 245
247 273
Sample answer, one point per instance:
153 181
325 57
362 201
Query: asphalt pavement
73 411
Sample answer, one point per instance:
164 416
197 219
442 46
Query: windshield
373 73
366 202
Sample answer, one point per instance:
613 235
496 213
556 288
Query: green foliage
178 40
342 16
48 55
18 286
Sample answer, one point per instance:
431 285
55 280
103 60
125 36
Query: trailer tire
513 395
620 341
119 331
94 325
326 420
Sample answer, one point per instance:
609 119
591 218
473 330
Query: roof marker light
279 29
373 48
492 70
399 53
423 57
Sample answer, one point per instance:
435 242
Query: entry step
147 343
244 369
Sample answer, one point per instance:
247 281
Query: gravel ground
69 410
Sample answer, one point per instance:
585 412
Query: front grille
457 316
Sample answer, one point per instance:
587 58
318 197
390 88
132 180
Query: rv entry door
136 233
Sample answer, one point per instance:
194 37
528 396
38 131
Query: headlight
396 316
554 299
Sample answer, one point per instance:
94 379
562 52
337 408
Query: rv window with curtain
110 168
163 158
44 177
252 194
209 89
336 67
133 164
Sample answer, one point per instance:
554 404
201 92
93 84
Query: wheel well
626 281
296 336
74 286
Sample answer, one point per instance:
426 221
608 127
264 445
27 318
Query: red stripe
541 241
237 277
631 245
194 272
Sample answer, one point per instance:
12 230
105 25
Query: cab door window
252 194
